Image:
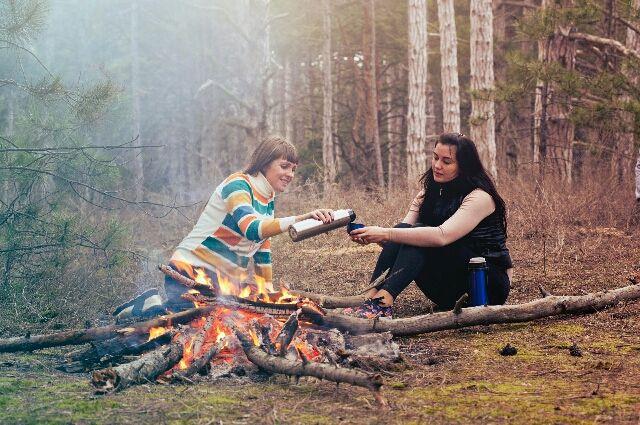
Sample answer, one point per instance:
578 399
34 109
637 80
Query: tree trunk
449 67
371 127
417 91
394 128
633 44
482 121
138 160
328 159
548 306
553 129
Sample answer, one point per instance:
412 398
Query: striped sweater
234 227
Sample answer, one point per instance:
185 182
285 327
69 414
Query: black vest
487 239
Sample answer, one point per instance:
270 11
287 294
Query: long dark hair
471 172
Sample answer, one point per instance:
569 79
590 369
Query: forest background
118 118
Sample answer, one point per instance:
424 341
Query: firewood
276 364
287 333
188 282
101 353
145 369
83 336
263 331
550 305
199 363
201 337
330 301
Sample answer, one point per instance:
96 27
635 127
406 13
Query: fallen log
101 353
285 366
330 301
83 336
550 305
145 369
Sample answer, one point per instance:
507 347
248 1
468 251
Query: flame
246 292
187 356
254 337
156 332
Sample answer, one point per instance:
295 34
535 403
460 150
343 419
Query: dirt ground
448 377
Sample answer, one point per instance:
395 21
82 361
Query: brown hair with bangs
270 149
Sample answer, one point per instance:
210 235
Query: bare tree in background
394 127
328 159
449 67
371 125
482 120
138 161
418 85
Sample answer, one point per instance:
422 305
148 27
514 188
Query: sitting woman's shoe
144 306
370 309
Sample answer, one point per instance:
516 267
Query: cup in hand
353 226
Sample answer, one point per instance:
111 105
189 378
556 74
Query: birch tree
449 67
417 91
482 122
328 160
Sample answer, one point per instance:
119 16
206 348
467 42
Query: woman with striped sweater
238 221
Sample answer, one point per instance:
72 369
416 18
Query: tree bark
473 316
482 121
146 369
328 158
418 80
371 125
83 336
449 67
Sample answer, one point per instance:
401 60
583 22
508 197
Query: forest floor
449 377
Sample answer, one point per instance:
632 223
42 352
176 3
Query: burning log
188 282
104 352
287 333
199 363
285 366
83 336
265 339
145 369
551 305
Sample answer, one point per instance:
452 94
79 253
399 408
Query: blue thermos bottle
478 282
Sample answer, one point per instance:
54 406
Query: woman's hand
371 234
323 214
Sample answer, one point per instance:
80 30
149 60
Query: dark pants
440 273
174 290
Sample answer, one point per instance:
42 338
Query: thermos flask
310 227
478 282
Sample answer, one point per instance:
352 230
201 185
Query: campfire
290 332
247 323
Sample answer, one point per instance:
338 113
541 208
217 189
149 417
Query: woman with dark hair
457 215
